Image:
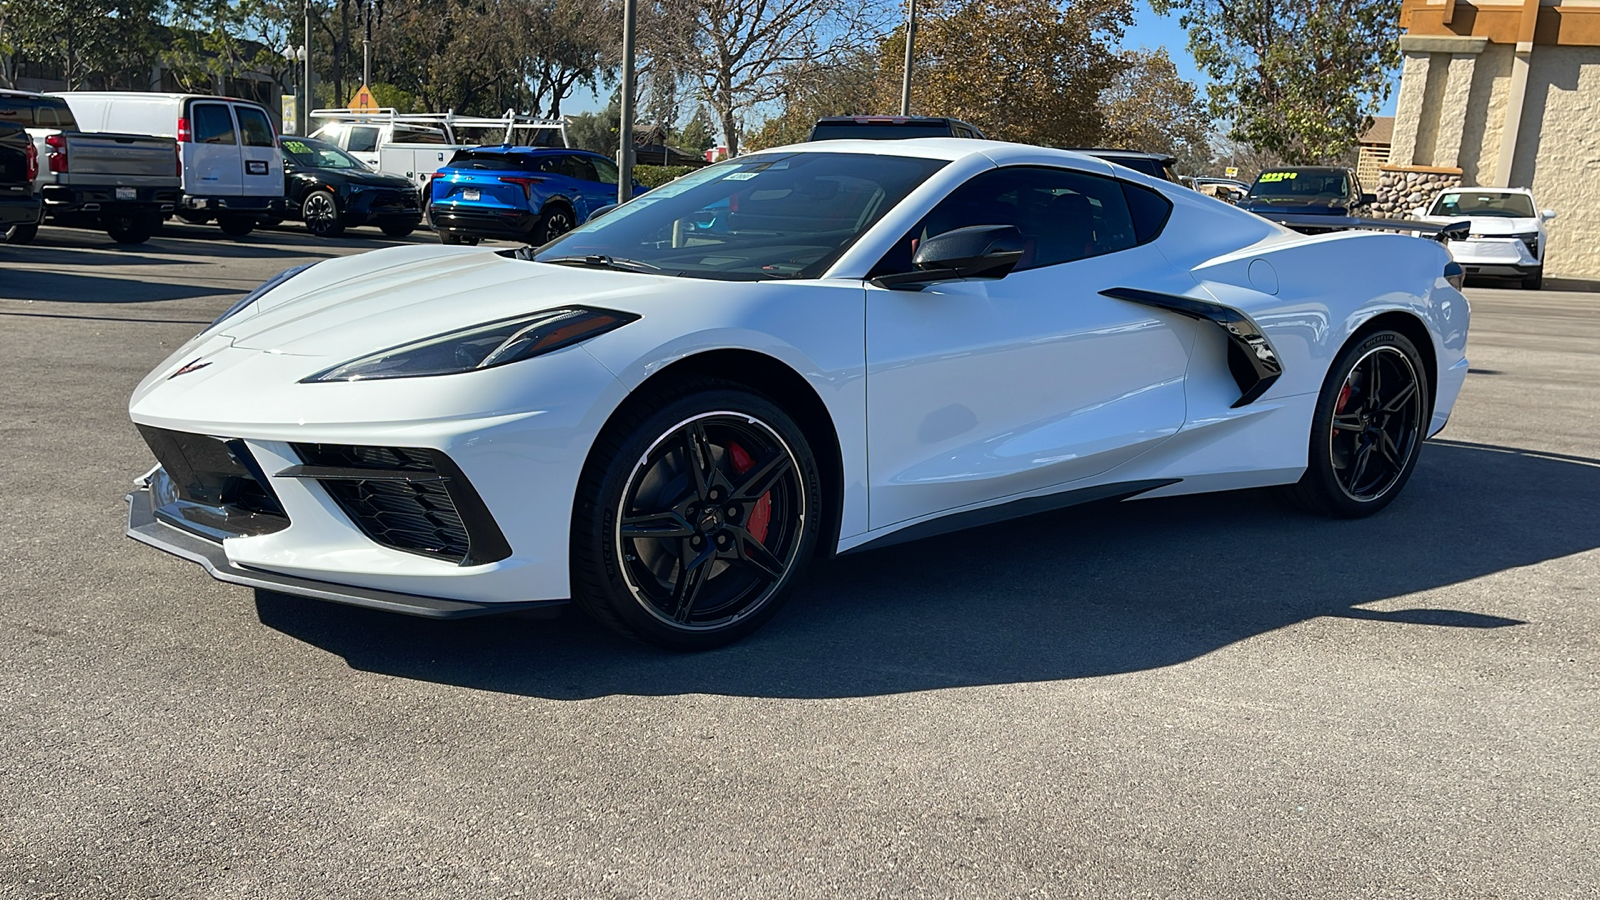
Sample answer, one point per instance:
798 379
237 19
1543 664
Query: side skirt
1016 509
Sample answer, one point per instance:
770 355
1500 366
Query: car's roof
1526 192
945 148
893 120
1318 169
533 151
1109 152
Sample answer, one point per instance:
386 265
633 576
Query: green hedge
656 176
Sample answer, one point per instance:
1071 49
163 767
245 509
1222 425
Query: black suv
1156 165
1307 191
889 128
20 207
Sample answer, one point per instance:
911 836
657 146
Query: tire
1534 282
21 234
194 218
320 211
131 229
236 226
555 220
748 524
269 221
1361 456
398 230
446 237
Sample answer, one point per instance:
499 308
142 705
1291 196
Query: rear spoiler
1455 231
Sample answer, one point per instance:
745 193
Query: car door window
363 139
605 169
255 127
333 134
213 124
578 167
1063 214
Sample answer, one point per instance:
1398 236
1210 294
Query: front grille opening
417 500
220 485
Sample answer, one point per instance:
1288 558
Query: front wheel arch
780 383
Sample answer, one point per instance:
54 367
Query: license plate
470 195
126 193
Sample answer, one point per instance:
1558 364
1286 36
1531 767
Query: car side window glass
16 112
605 169
213 124
333 134
578 167
363 139
255 126
52 113
1149 210
418 136
1063 214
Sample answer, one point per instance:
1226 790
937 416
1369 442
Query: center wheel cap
710 522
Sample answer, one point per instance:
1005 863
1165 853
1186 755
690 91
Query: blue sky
1149 30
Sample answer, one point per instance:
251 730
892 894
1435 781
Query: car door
984 389
263 165
214 168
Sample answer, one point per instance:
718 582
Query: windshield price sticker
1269 177
741 176
296 147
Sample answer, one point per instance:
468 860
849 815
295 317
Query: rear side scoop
1252 360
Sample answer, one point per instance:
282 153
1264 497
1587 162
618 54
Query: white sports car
665 414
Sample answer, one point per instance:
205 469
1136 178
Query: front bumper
1494 256
145 527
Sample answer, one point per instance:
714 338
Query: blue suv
533 194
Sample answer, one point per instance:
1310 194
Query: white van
232 170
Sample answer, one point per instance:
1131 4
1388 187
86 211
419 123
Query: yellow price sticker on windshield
1269 177
296 147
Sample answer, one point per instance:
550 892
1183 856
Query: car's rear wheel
236 226
398 229
320 211
696 512
1367 432
132 228
555 220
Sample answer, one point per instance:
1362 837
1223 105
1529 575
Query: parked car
885 128
231 170
330 190
20 206
531 194
1156 165
1307 191
414 145
1507 234
121 183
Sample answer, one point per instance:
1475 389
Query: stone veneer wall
1404 188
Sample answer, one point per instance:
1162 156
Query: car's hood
1490 226
1312 206
346 307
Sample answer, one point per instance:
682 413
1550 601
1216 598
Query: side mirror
1455 231
1547 215
600 212
977 251
1368 199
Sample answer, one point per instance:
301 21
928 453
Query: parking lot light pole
905 82
630 13
305 107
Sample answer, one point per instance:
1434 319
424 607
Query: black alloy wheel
695 519
555 220
320 211
1371 420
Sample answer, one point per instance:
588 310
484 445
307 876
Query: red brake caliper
1344 397
761 513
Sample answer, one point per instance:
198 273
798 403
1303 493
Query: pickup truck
416 145
19 163
124 184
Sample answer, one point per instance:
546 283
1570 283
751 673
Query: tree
90 40
1298 78
1030 71
1149 106
597 131
698 135
738 50
851 85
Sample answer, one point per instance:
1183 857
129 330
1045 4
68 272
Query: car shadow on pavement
1085 592
70 287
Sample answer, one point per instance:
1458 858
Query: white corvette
665 414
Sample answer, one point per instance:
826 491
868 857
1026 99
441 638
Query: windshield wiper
614 263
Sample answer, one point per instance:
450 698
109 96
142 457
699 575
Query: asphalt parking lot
1197 697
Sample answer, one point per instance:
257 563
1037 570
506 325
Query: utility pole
305 105
630 13
911 37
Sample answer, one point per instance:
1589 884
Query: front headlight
482 346
258 293
1531 239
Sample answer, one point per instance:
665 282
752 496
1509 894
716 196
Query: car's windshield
1298 185
771 215
315 154
1483 203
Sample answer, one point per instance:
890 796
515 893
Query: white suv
1508 236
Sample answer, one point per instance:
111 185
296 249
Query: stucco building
1503 93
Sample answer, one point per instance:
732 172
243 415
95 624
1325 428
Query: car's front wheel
1367 431
696 512
320 211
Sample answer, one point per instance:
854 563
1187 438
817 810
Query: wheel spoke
698 449
1363 456
761 480
1348 422
756 554
1390 450
691 577
1401 398
667 524
1374 385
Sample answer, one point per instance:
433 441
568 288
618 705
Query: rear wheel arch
1415 331
778 382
